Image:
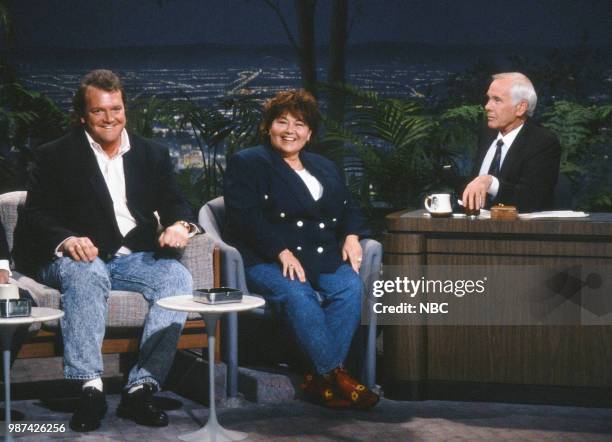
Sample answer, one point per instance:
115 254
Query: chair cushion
125 309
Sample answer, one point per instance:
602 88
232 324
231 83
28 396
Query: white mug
9 291
439 204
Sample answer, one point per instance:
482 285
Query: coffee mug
439 204
9 291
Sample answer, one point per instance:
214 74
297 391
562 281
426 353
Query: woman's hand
352 251
291 266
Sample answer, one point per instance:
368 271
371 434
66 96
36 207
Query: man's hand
175 236
352 251
475 193
79 248
291 266
4 276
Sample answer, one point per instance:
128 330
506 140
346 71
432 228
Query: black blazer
269 208
67 196
529 173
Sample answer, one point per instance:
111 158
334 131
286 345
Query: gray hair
520 89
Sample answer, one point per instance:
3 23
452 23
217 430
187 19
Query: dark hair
101 79
299 103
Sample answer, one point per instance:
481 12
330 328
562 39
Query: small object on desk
501 212
12 308
438 205
471 213
217 295
554 214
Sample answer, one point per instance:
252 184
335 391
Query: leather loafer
90 411
139 407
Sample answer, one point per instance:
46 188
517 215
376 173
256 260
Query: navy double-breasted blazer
269 209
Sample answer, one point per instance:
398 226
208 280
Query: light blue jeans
85 289
324 331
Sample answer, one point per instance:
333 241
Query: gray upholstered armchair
127 310
212 218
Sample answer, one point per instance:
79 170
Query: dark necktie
496 163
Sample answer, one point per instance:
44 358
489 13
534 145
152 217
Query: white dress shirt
507 139
4 265
114 176
314 185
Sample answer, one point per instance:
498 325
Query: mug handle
427 203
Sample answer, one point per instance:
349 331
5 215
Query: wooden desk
542 364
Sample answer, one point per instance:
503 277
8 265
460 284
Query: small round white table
8 327
212 431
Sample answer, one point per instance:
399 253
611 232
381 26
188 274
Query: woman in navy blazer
290 215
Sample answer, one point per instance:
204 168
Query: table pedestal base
212 431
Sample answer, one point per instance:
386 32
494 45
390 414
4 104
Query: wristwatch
191 228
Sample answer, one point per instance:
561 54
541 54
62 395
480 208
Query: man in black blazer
89 227
518 161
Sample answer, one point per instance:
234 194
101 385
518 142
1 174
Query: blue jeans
324 331
84 291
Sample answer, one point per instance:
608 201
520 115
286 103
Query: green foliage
218 130
27 118
586 150
394 141
459 127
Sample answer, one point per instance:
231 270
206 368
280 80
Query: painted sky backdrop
117 23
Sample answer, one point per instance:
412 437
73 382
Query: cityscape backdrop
209 50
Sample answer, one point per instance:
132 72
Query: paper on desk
553 214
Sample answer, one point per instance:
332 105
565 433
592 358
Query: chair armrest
370 272
198 258
372 258
232 267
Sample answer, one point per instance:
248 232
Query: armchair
212 218
126 310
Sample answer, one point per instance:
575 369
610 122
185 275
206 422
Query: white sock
134 388
95 383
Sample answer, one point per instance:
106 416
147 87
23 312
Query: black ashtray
217 295
13 308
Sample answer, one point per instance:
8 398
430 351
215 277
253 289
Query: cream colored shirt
314 185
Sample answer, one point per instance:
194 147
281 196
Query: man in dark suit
5 271
518 161
89 227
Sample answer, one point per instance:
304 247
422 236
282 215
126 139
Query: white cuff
4 265
193 231
57 252
494 187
